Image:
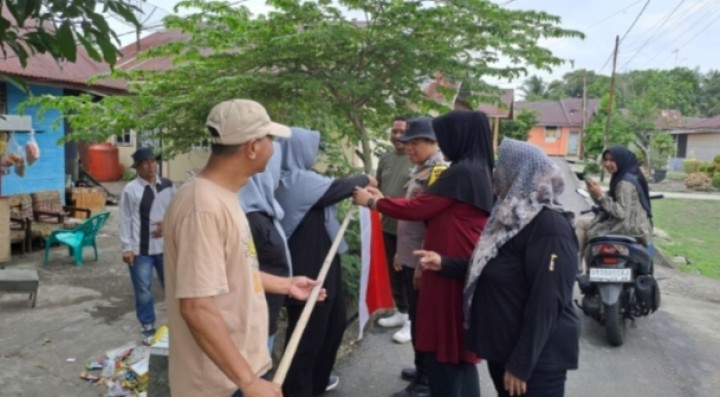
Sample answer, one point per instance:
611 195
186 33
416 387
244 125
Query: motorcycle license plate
599 275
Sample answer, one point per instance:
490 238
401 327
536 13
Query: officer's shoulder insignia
435 173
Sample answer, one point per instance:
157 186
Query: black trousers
451 380
411 294
315 357
396 279
541 383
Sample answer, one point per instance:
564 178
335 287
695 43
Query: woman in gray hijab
264 214
310 222
518 290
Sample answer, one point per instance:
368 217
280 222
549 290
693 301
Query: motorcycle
619 285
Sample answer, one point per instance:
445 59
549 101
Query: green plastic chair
78 238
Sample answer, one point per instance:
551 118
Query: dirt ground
81 312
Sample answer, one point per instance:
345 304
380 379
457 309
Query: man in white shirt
141 233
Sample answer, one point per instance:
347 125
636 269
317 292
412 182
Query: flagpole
291 348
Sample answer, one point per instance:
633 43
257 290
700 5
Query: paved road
673 353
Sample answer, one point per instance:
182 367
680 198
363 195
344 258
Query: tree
519 128
534 88
55 26
710 94
596 85
620 132
662 147
664 89
310 65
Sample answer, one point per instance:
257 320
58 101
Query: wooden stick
287 358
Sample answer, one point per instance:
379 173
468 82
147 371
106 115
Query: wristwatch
371 203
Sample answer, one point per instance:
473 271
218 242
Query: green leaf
19 83
109 52
66 41
124 10
90 48
99 22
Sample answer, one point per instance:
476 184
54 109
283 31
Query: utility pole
606 140
584 114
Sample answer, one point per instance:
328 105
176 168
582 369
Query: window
551 134
124 139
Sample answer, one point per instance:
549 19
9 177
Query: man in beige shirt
214 292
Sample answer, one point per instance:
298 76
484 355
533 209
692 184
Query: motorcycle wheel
614 324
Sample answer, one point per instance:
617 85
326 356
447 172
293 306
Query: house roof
43 68
671 119
502 110
674 122
700 123
130 61
561 112
432 91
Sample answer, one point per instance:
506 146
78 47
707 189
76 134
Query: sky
668 33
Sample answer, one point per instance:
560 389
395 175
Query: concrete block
20 281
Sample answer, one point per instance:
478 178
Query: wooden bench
20 281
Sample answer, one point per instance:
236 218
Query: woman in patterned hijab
518 290
518 293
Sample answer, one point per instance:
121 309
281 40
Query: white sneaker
333 382
396 320
403 335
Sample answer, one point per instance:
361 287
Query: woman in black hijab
455 209
466 141
626 206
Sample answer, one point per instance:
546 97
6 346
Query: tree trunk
365 142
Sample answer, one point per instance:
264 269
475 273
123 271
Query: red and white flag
375 292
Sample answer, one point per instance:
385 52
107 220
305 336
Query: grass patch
694 226
676 176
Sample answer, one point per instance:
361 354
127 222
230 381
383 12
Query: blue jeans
141 274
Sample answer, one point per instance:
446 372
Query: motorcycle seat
614 238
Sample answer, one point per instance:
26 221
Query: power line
681 17
695 36
637 18
599 22
692 26
653 34
699 8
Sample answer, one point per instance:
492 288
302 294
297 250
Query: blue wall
48 173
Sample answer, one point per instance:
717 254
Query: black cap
418 128
141 155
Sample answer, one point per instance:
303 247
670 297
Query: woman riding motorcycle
625 207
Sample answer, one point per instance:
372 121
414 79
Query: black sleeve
340 189
454 267
550 267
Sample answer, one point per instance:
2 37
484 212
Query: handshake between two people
367 197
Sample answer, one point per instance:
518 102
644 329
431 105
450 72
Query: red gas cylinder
103 162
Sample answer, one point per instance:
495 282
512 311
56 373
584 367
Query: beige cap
240 120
